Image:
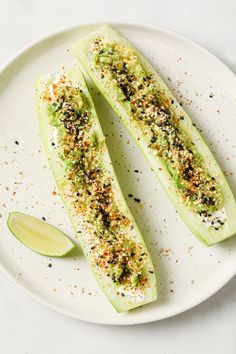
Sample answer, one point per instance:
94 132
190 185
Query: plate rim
39 40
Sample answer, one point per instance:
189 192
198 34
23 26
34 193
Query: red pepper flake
54 193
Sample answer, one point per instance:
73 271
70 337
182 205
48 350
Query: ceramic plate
188 272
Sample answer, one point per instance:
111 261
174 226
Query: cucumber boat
165 133
80 162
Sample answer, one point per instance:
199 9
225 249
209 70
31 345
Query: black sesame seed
152 140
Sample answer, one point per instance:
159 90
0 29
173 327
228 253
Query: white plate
188 272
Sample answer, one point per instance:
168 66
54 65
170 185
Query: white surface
27 327
188 272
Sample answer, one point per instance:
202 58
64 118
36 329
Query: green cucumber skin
207 236
73 245
106 285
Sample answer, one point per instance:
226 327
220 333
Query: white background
27 327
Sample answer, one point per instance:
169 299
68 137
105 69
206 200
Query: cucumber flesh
83 51
121 297
38 235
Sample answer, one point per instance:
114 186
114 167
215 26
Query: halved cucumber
85 52
62 131
38 235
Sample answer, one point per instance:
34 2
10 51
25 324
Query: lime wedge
38 235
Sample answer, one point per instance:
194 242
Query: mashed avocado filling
90 186
120 67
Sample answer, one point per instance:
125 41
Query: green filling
121 258
119 66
